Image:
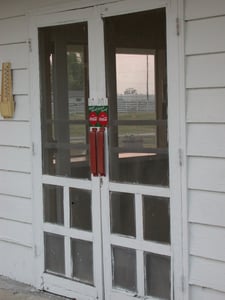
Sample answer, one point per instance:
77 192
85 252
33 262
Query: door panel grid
143 250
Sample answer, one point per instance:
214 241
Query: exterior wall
205 96
15 158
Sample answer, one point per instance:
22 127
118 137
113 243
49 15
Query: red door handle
101 151
93 151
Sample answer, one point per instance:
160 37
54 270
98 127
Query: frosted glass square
82 257
123 214
156 219
80 209
157 276
53 204
54 253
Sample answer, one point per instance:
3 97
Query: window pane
53 204
157 276
82 256
80 209
124 268
122 213
54 253
156 219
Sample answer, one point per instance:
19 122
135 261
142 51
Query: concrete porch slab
13 290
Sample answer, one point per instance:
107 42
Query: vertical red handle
101 151
93 151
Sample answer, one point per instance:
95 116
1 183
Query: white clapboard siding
206 105
14 133
202 36
17 54
206 174
195 9
15 208
15 159
15 184
16 8
207 241
16 232
205 71
206 140
16 262
206 207
207 273
13 30
20 81
200 293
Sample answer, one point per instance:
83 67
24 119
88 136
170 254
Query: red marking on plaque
103 118
93 118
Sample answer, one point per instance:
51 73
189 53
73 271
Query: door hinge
30 45
180 157
178 26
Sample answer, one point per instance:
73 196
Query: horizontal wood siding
16 232
22 208
198 9
205 140
205 105
18 161
207 273
207 241
13 30
17 54
200 293
206 174
206 71
208 30
15 184
15 133
205 96
16 261
16 236
206 207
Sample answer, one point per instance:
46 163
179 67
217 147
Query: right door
135 195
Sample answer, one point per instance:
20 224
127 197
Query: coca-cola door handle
101 151
93 151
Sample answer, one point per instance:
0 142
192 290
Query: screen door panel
70 202
139 243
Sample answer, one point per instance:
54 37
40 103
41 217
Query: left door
71 227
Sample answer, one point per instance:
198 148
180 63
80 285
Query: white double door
107 236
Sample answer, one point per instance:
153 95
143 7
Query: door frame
93 13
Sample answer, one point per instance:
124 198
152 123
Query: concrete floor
13 290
